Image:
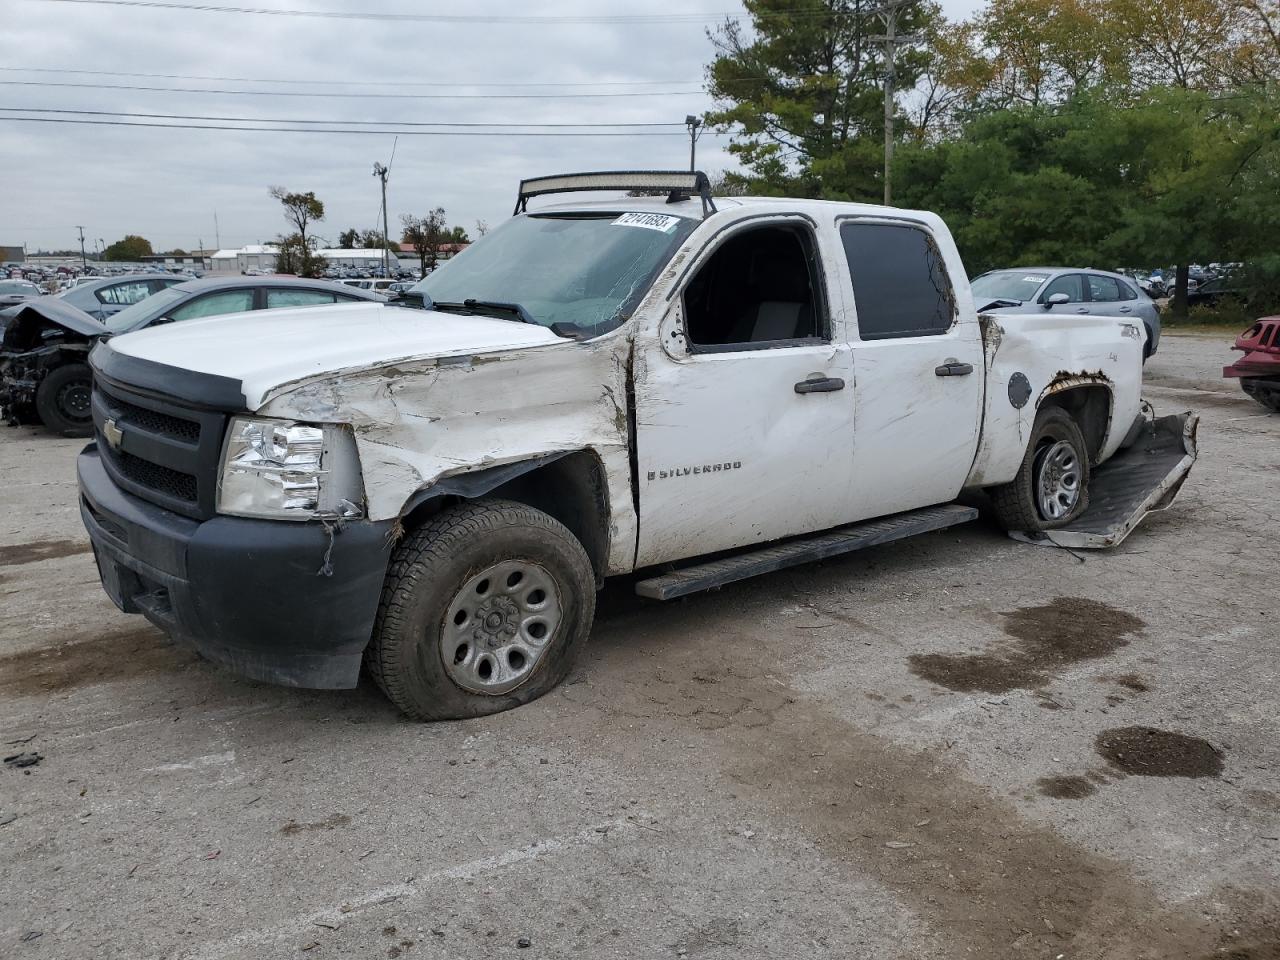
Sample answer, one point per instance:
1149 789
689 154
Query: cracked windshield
589 271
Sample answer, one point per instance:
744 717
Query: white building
261 257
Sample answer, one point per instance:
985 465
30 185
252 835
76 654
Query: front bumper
244 593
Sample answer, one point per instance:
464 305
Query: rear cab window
900 284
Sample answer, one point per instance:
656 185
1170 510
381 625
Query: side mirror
1055 299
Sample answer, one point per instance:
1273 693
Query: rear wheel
1266 390
62 400
485 607
1052 485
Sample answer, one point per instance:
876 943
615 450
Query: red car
1259 368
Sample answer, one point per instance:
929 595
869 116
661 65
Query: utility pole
84 262
381 172
891 40
217 236
695 131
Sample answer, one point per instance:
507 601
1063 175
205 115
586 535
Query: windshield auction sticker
650 221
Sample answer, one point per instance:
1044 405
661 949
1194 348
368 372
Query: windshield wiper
472 305
1000 302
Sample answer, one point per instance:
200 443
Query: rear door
1107 296
917 368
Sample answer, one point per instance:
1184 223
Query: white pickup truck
699 390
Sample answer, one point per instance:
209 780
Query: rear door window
124 294
900 285
213 304
1103 289
297 298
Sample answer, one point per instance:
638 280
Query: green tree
348 239
301 210
1174 176
801 91
426 235
132 247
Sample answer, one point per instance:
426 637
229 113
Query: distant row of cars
46 339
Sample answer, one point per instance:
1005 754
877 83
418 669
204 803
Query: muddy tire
1266 391
485 607
1052 485
62 400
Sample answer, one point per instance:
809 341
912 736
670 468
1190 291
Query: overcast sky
167 184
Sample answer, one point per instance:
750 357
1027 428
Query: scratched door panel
730 454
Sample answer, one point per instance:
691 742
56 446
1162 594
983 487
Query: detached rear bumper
244 593
1141 479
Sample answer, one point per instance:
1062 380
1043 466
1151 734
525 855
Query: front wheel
485 607
1052 485
62 400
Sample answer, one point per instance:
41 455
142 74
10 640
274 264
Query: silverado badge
112 433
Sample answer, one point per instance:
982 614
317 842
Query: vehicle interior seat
779 305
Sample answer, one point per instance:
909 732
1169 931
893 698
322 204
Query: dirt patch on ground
965 861
1044 640
328 823
123 655
37 550
1132 681
1148 752
1067 787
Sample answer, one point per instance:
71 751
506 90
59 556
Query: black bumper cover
244 593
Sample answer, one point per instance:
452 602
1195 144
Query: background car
14 292
54 384
1071 289
1210 292
101 297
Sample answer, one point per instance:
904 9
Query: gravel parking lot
956 746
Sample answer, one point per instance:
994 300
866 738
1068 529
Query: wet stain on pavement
20 553
90 660
1043 641
1148 752
328 823
1066 787
1131 681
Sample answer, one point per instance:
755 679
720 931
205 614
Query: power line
363 96
527 20
354 83
402 133
349 123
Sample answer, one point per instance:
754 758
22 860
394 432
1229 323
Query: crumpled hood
31 315
267 349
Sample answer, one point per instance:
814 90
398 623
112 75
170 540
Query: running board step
857 536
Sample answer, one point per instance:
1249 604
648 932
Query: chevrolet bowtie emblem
112 433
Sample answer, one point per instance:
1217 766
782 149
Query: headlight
290 471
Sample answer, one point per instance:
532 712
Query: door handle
820 385
1082 309
953 368
1125 309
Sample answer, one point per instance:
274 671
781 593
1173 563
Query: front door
918 367
744 402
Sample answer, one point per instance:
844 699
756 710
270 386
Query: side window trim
856 333
817 283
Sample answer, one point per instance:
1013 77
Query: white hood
264 349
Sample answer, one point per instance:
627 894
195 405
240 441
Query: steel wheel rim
499 626
74 401
1057 480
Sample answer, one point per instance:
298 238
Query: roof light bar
680 185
